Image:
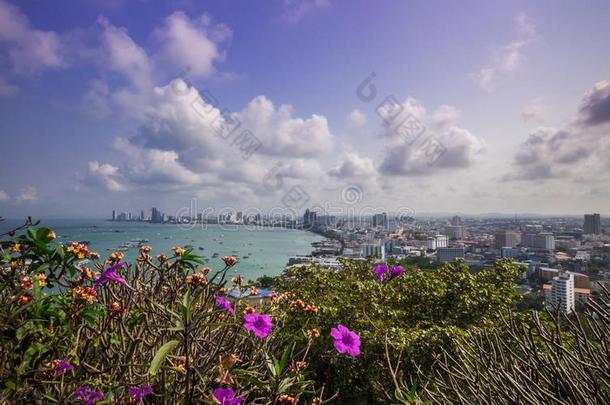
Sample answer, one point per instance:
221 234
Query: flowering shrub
164 330
387 319
161 329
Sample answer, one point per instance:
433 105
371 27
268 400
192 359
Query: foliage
65 335
417 314
536 358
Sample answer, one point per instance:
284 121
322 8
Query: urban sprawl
565 260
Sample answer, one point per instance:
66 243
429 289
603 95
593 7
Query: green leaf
161 355
185 308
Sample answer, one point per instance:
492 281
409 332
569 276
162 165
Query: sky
345 105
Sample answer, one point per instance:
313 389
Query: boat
201 248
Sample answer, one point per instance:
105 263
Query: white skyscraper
562 292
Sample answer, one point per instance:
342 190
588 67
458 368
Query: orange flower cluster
94 255
116 308
237 280
197 279
87 273
18 248
286 400
26 282
312 333
249 310
206 270
42 280
87 294
25 299
297 304
178 251
162 257
145 249
253 290
116 257
311 309
52 235
230 261
80 250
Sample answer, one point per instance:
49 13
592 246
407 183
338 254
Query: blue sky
515 95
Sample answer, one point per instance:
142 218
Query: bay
261 250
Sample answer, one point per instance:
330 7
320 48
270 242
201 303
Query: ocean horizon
260 250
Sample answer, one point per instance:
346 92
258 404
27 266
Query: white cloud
178 145
445 115
124 56
595 105
509 58
29 49
105 175
419 143
282 134
534 110
295 10
191 44
351 165
27 195
356 119
573 151
4 196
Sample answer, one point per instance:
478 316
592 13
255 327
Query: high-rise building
456 231
141 215
592 224
156 216
506 239
456 220
544 240
449 254
309 218
562 292
378 250
113 215
380 220
437 241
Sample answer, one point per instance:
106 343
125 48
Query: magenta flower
396 271
346 341
61 366
110 275
226 396
225 304
138 393
87 395
259 324
380 271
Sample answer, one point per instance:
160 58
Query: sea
260 250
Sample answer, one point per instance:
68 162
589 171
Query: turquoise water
268 249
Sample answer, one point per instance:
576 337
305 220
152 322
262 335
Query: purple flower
380 271
259 324
396 271
110 275
138 393
61 366
87 395
225 304
346 341
226 396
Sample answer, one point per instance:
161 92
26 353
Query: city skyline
472 109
